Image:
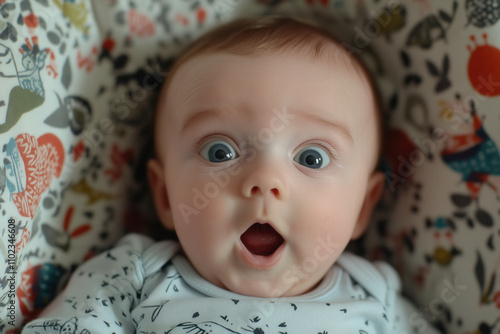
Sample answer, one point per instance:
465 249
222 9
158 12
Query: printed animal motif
443 227
431 29
443 82
33 61
474 155
27 92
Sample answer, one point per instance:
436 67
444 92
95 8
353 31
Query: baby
267 138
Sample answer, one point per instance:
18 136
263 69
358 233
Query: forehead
279 77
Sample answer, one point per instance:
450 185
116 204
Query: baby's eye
218 151
312 157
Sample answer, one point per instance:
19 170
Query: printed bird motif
474 155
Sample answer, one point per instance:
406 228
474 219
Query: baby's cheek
333 221
188 196
211 216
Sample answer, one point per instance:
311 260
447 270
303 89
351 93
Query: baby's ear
374 189
158 187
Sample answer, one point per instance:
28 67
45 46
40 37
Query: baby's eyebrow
208 113
335 126
202 114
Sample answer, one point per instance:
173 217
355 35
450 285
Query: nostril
254 190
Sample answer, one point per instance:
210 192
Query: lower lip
260 261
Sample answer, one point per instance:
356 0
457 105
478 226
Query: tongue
261 239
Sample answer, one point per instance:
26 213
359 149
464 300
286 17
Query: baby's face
267 165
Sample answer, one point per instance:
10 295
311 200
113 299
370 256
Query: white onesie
145 287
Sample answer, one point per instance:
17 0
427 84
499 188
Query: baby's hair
272 35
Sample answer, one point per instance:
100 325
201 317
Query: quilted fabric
78 81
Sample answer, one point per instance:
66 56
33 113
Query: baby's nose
265 180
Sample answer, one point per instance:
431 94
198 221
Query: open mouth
261 239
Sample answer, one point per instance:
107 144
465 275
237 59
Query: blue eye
312 157
218 151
